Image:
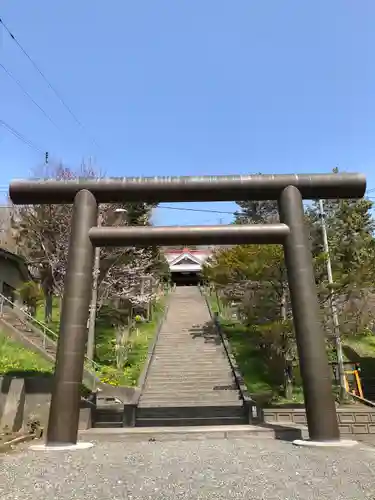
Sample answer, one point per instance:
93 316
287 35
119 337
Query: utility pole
94 296
335 318
94 300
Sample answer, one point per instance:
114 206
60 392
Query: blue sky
192 88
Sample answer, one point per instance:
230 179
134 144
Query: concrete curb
187 433
143 376
341 443
253 411
68 447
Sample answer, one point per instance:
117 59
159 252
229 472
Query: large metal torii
289 190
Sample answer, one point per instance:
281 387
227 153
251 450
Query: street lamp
94 295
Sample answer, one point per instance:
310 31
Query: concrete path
249 469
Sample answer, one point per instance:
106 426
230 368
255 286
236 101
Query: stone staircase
34 335
189 381
28 334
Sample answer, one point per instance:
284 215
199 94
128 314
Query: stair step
218 364
204 385
209 384
195 366
195 355
200 393
194 400
186 384
108 418
189 362
217 379
172 348
188 344
178 384
183 390
191 354
180 374
189 367
164 377
226 410
180 422
190 403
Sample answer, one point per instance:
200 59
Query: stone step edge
194 432
180 405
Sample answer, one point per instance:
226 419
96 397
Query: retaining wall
32 402
352 419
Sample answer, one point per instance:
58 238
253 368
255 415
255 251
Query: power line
28 95
335 318
5 190
41 73
21 138
183 209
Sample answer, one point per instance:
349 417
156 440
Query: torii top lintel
174 189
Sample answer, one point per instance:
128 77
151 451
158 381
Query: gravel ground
211 469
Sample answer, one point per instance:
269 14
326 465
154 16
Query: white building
186 265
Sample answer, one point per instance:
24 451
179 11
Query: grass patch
15 358
214 303
140 341
262 374
105 353
53 325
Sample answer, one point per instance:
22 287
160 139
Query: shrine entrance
288 190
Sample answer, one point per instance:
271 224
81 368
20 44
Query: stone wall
29 401
352 419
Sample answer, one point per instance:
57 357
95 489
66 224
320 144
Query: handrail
44 328
364 401
24 313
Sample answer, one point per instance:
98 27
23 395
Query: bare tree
42 236
7 240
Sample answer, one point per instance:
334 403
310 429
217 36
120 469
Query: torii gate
289 190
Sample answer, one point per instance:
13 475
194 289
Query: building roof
186 260
18 260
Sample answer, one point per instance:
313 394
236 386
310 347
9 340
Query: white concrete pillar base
340 443
82 445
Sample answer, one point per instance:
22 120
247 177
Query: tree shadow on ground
260 373
208 332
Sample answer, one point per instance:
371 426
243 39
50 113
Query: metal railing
26 317
47 335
